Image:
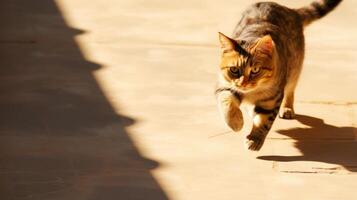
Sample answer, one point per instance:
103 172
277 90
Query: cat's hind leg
287 106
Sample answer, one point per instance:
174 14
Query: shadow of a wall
321 142
59 136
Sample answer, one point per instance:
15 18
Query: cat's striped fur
261 64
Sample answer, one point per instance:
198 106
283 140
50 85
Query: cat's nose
241 81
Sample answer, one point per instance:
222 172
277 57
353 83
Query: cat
261 63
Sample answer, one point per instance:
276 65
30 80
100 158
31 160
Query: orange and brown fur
261 64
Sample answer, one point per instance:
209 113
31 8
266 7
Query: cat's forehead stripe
242 60
241 50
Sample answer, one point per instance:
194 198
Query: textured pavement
113 100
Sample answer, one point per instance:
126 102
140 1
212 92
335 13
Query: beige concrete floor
104 100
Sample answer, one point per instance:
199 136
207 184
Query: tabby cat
261 64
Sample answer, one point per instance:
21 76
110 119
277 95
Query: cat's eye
255 70
235 71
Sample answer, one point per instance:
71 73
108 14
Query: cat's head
250 67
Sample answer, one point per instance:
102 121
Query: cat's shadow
321 142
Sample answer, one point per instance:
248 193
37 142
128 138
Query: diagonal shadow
321 142
59 136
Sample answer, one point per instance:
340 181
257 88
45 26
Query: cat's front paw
287 113
254 142
235 120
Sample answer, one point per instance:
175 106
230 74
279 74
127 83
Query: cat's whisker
219 134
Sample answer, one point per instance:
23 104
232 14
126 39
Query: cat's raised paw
235 124
234 119
254 142
287 113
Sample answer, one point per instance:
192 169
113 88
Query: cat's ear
227 44
265 45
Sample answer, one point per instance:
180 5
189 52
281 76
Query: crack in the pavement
323 170
336 172
348 103
315 172
299 172
317 139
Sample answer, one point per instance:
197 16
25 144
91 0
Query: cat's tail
316 10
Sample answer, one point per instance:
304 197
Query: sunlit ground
127 108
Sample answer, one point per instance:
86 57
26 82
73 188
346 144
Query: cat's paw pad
254 142
287 113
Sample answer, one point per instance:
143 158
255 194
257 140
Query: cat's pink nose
241 81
